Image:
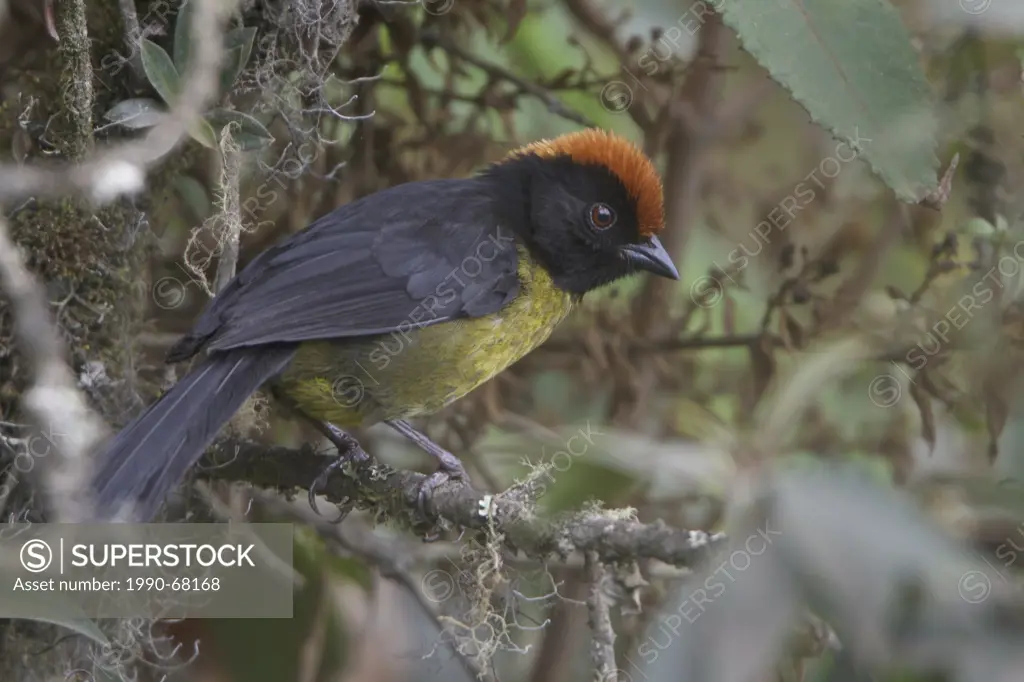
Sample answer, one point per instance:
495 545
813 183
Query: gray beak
651 257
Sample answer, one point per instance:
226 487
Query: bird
396 304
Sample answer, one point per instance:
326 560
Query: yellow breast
405 374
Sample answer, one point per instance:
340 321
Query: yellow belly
402 375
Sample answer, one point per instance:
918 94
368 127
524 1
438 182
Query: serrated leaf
183 37
249 134
238 47
160 71
202 132
135 114
851 64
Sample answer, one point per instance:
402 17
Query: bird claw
344 509
320 481
348 450
451 469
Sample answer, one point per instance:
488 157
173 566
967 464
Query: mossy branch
76 78
613 536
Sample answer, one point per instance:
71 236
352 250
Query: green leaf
183 37
160 70
238 47
851 64
250 134
229 73
241 37
194 195
136 113
202 132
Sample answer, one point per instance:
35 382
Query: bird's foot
349 450
450 468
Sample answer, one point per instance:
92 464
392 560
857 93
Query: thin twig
688 144
594 19
554 105
132 34
688 148
938 197
230 211
602 647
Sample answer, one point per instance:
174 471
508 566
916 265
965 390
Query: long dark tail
151 455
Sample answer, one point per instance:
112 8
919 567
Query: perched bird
399 303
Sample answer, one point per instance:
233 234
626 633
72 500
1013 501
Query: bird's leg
450 465
349 450
347 446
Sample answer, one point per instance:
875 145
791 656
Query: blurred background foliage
822 373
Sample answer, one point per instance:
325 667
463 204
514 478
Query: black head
581 221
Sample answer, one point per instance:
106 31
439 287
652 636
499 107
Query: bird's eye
602 216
